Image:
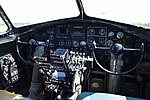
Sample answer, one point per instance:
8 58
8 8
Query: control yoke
117 49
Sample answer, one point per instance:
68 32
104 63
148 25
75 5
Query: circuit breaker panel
9 69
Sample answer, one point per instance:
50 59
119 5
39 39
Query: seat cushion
5 95
103 96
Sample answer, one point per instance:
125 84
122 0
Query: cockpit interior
62 59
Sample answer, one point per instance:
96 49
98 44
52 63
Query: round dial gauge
75 43
111 34
91 31
102 32
120 35
109 43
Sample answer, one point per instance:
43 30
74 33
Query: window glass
3 26
27 12
135 12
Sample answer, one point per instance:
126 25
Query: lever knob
117 49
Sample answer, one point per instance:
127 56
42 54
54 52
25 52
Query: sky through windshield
35 11
127 11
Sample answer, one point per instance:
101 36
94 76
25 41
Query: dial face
101 40
102 32
91 31
61 43
120 35
109 43
90 40
111 34
75 43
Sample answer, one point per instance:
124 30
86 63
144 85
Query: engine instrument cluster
97 34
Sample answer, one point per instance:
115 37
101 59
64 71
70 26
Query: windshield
26 12
135 12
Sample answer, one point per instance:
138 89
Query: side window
3 26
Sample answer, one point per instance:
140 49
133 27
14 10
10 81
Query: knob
83 43
117 49
75 43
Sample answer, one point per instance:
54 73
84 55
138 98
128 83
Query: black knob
117 49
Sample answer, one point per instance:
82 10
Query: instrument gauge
120 35
91 31
61 43
68 43
101 40
90 40
111 34
75 43
102 32
109 43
